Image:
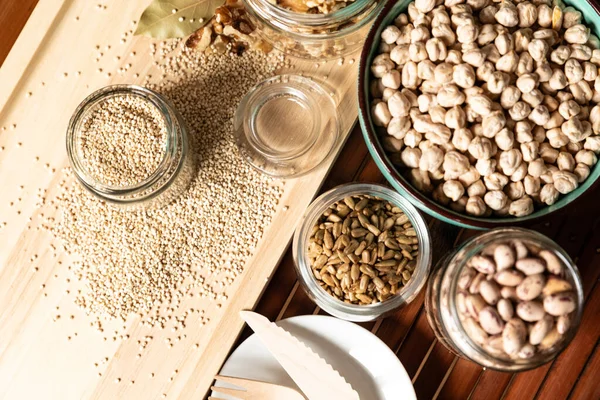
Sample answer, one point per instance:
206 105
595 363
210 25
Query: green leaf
166 19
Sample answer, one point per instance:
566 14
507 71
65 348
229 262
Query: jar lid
286 125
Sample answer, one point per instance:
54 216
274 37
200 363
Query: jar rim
133 193
335 306
470 248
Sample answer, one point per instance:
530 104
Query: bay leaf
166 19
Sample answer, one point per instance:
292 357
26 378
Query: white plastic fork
255 390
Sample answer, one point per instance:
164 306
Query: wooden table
437 373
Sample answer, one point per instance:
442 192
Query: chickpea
573 71
455 118
486 167
438 114
410 76
534 98
497 82
544 71
577 34
495 199
582 172
504 43
485 71
586 157
474 57
564 181
453 189
521 39
381 65
461 139
398 127
495 181
507 15
450 96
519 111
539 115
475 206
565 161
538 49
454 57
455 164
549 194
431 159
536 168
508 62
528 14
390 34
515 190
532 185
467 33
521 207
381 114
592 143
581 52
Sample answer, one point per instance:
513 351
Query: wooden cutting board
47 347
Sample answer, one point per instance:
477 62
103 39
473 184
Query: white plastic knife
317 379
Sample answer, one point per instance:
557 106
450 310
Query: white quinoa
122 140
134 261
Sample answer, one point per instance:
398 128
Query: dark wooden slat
13 16
416 345
301 304
588 386
394 328
349 162
433 371
370 172
491 385
461 381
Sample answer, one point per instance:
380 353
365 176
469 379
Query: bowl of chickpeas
484 114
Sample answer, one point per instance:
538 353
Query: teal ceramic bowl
591 13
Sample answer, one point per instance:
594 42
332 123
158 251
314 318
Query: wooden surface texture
68 49
436 373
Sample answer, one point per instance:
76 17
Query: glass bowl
327 302
400 183
314 36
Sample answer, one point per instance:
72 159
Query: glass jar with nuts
362 251
319 35
510 299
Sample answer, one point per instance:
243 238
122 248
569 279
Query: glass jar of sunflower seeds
509 299
128 146
362 251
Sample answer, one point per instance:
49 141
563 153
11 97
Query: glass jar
171 177
314 36
332 305
442 307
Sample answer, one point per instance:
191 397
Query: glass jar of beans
128 146
509 299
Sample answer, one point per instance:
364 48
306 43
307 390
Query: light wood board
54 61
